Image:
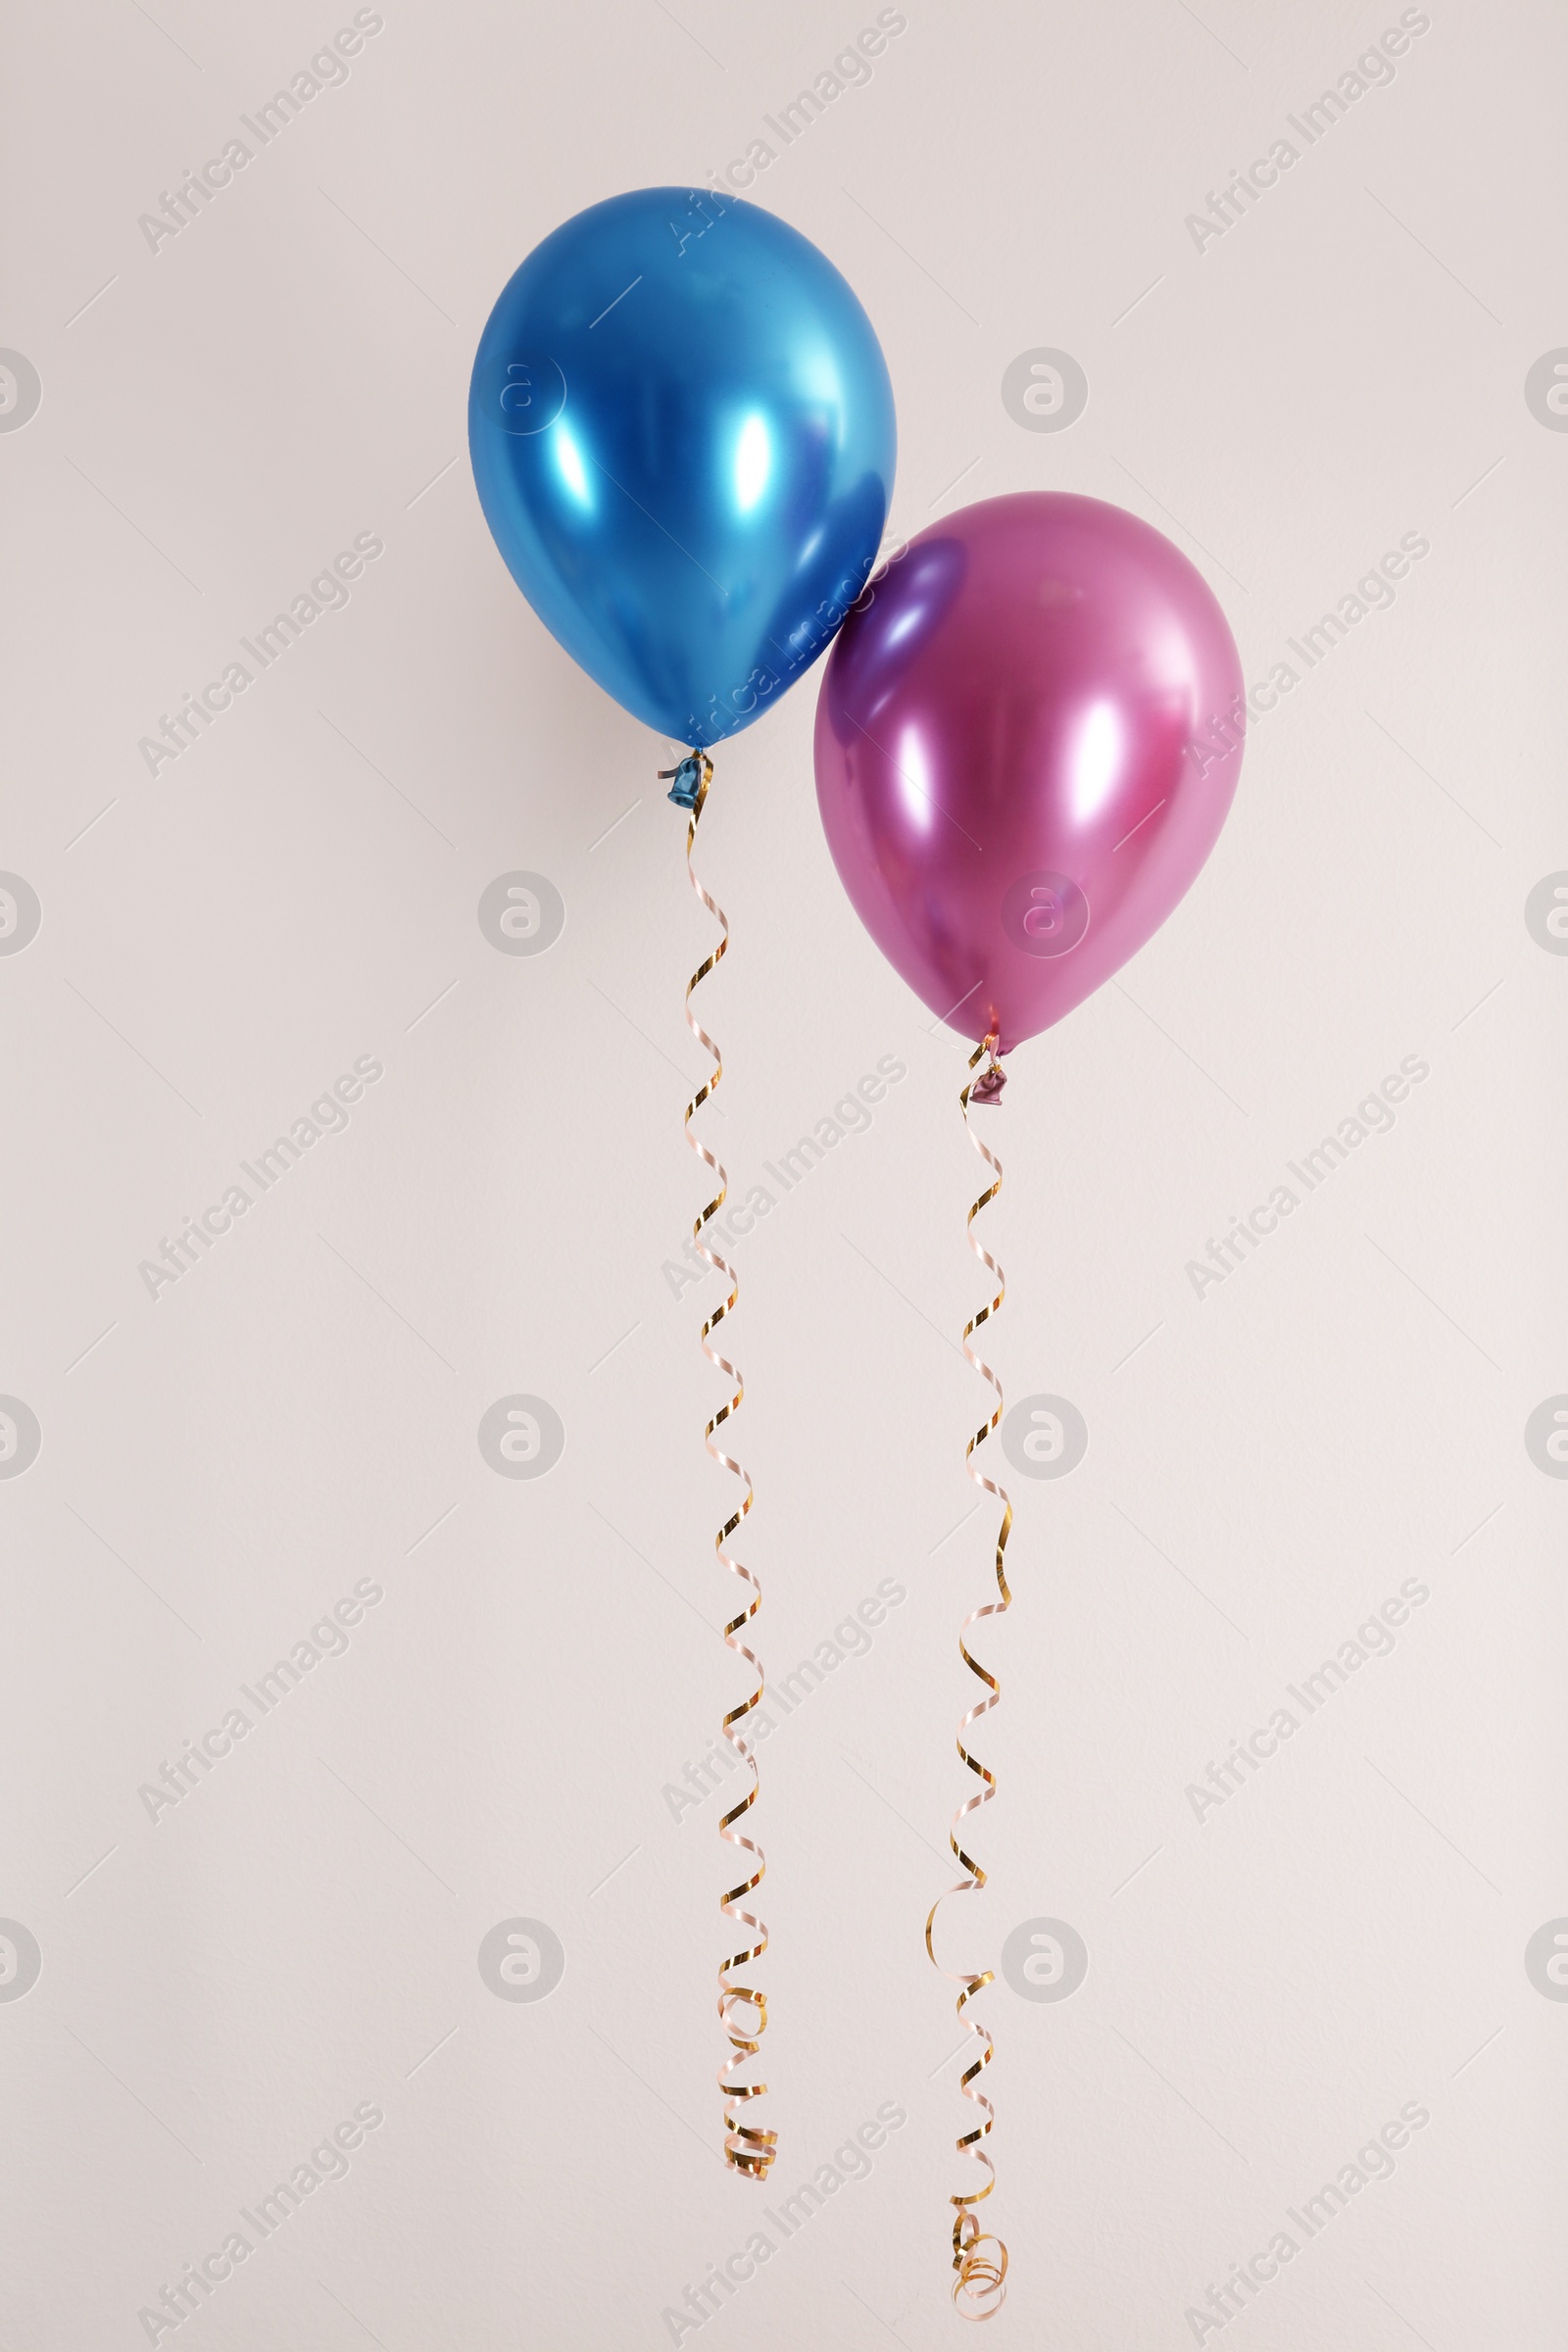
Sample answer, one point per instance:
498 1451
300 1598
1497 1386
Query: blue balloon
682 433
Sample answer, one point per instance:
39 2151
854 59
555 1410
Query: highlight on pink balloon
1028 737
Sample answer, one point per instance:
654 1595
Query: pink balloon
1027 740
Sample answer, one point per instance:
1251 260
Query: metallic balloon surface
1027 741
682 435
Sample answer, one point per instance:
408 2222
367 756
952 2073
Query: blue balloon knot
688 782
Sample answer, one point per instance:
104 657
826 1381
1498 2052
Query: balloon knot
987 1088
686 780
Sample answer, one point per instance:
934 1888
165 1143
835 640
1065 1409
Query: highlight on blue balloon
682 435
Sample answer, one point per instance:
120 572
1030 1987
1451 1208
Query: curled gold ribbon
743 2010
979 2262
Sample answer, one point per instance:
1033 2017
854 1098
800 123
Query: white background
1346 1933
